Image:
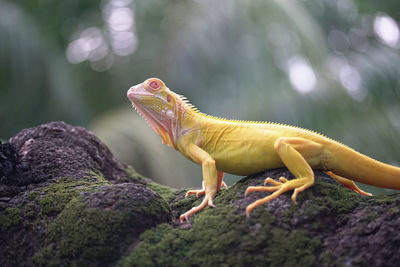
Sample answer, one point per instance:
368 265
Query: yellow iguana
246 147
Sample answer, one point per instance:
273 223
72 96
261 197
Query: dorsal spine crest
198 112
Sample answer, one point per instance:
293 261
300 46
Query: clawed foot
358 190
278 188
200 192
348 183
275 186
223 185
207 201
269 180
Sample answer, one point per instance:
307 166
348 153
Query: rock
65 200
330 226
9 161
57 150
98 228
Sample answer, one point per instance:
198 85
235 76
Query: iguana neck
184 113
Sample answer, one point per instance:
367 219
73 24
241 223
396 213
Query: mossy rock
87 212
10 218
97 227
87 209
329 226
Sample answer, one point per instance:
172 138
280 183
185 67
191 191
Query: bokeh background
329 65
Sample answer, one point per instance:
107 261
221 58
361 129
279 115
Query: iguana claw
297 185
200 192
207 201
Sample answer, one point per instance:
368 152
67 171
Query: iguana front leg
296 153
202 191
211 183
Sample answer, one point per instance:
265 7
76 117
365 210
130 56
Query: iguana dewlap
246 147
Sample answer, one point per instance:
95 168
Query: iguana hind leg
297 154
348 183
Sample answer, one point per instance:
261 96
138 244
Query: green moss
166 246
33 195
325 198
232 192
11 217
224 237
56 195
166 192
29 210
385 199
143 255
327 259
83 236
292 248
133 176
91 234
394 210
289 235
181 203
317 226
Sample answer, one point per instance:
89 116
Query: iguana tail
360 168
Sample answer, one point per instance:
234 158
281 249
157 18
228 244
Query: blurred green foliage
330 65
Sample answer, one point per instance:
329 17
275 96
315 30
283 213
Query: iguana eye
155 84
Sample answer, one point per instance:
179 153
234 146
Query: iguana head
158 106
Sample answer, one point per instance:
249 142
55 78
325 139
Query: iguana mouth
134 94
